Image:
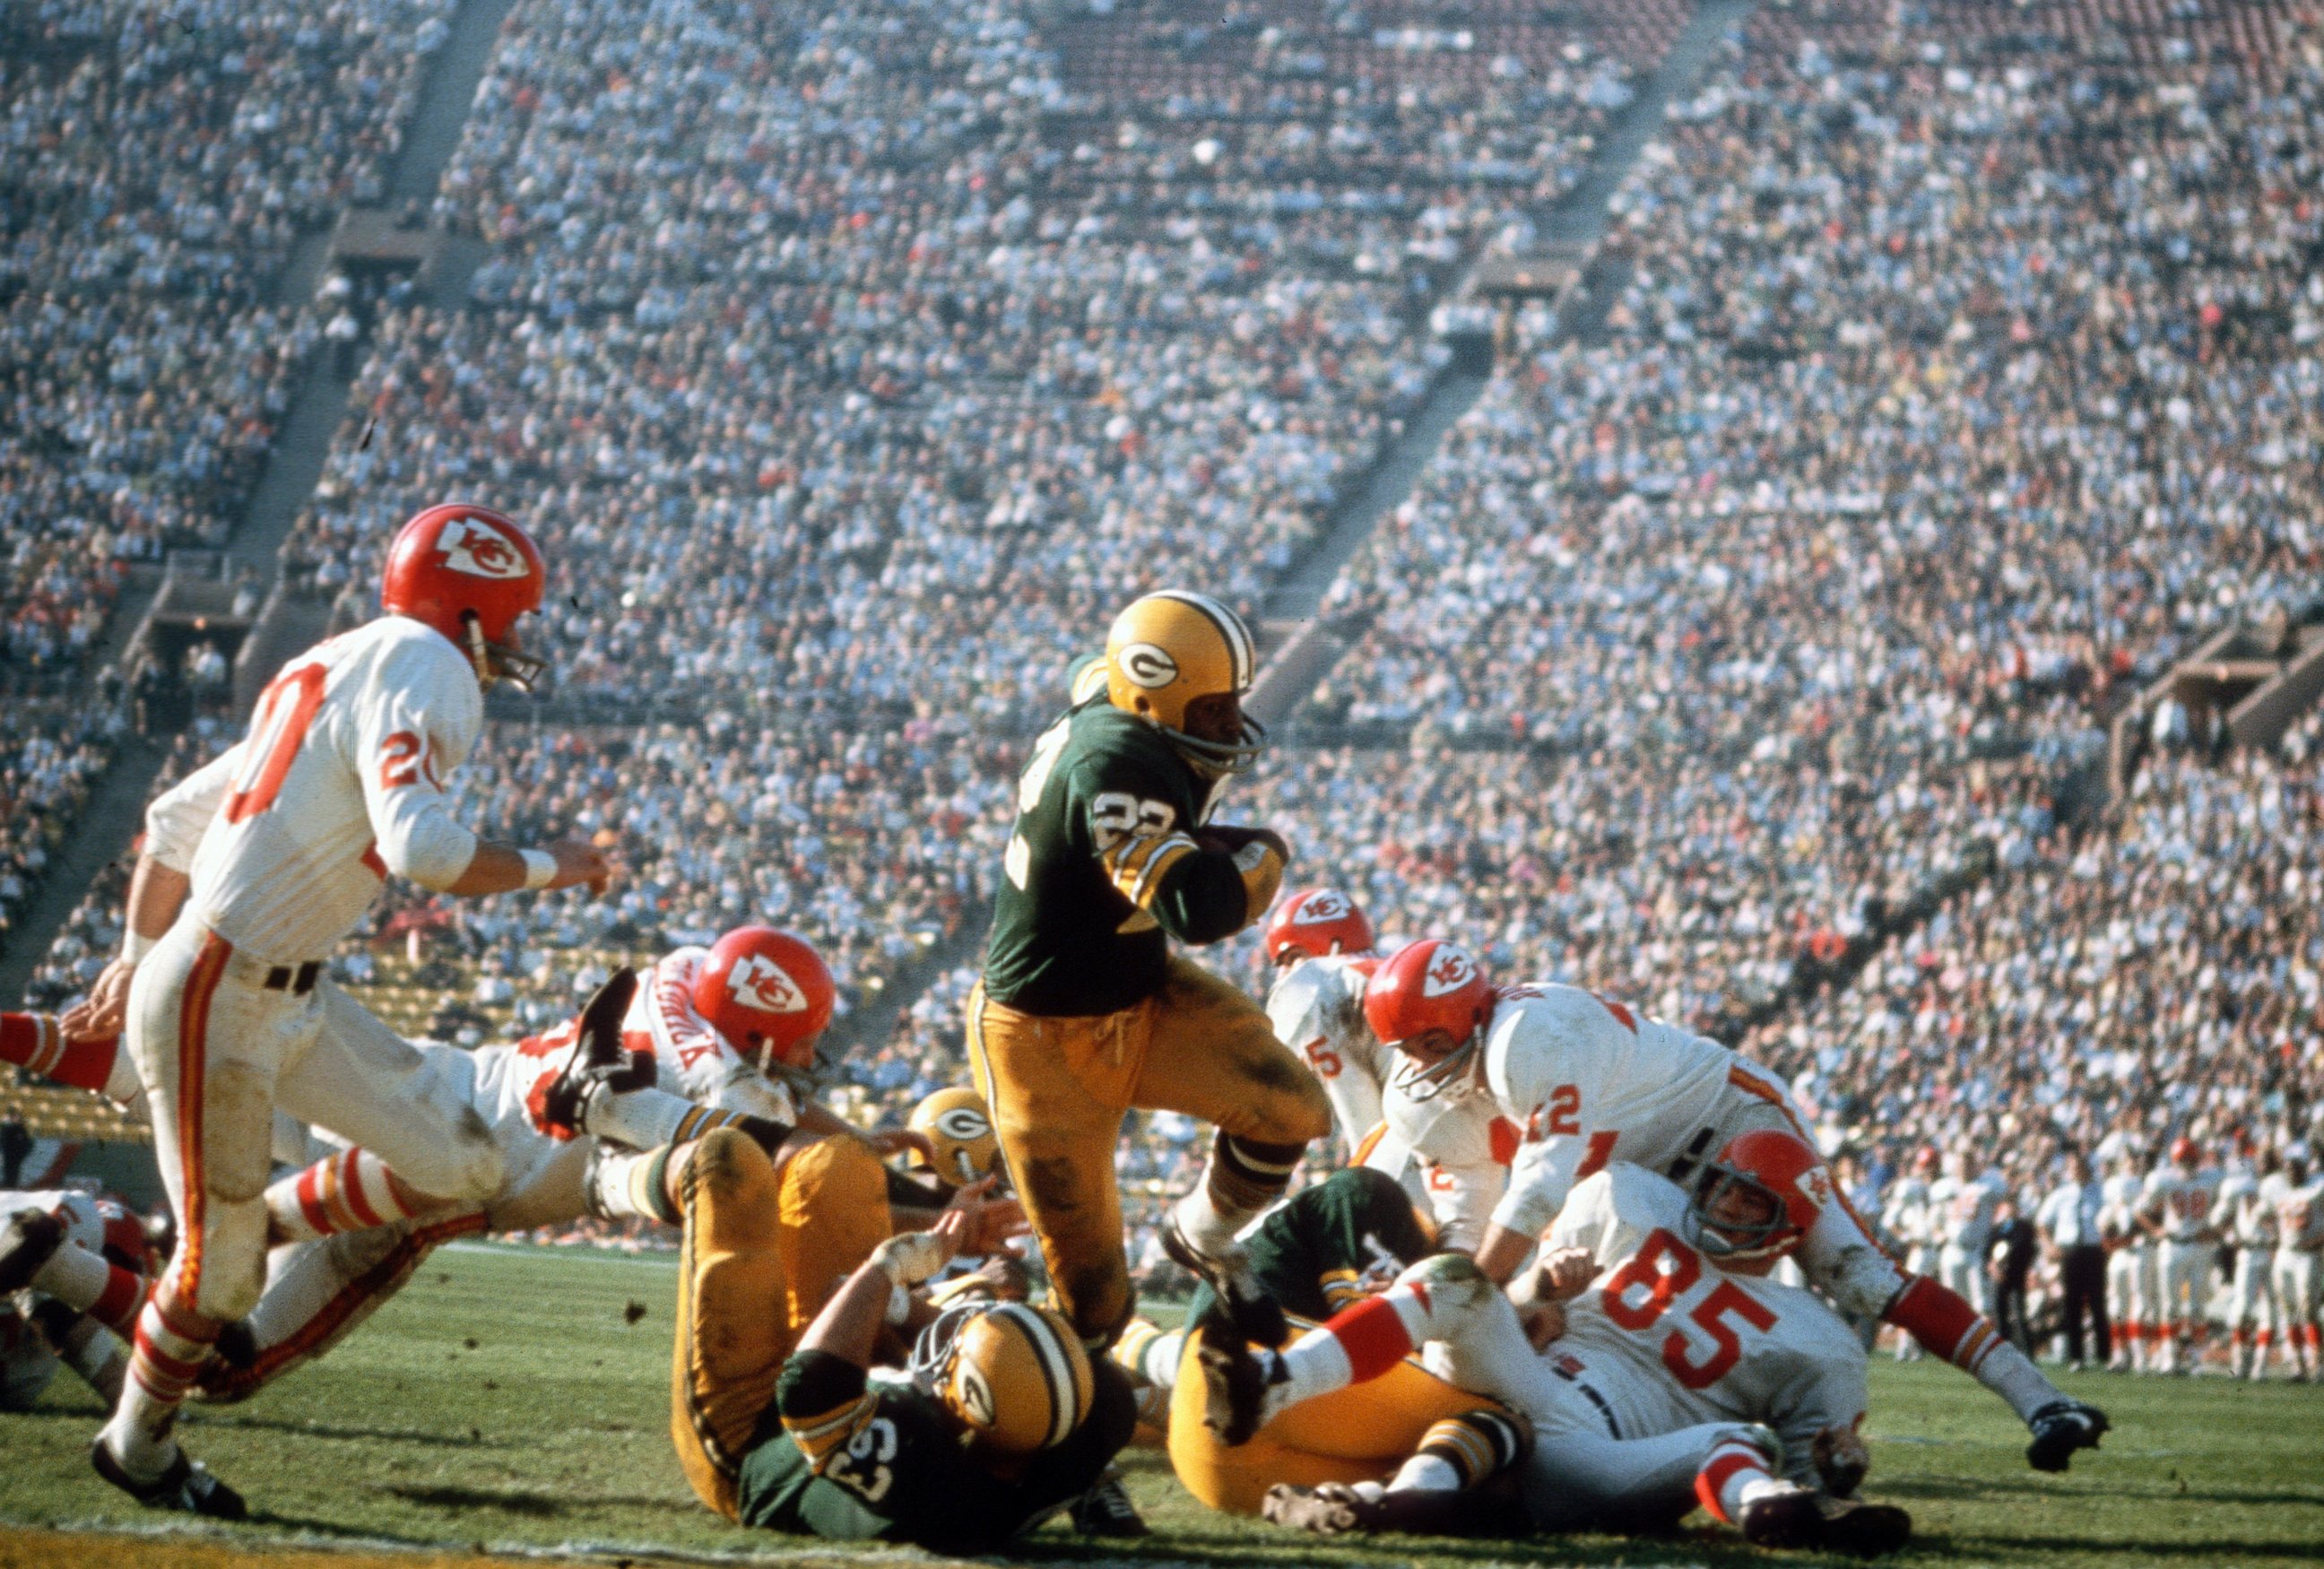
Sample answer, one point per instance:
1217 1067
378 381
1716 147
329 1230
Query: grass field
504 1402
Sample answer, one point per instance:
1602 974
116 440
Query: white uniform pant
1583 1469
2251 1304
2182 1278
1962 1269
2130 1298
2297 1278
218 1051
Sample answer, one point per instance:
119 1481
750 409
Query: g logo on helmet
976 1397
474 547
1144 665
757 981
1320 908
965 1125
1449 970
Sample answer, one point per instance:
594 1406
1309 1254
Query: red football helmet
1424 986
469 572
1780 1175
1316 921
769 993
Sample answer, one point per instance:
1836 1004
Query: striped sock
353 1191
34 1042
637 1186
1462 1451
166 1355
1735 1464
83 1280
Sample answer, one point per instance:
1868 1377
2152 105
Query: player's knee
1454 1279
728 1167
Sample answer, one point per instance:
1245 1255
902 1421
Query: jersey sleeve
178 818
1546 1067
824 1401
410 731
706 1067
1125 814
1590 1219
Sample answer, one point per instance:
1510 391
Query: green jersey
853 1460
1103 870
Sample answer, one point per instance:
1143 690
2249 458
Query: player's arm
403 745
1302 1012
158 888
1198 888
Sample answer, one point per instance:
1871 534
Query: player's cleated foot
2060 1428
187 1486
1105 1511
1258 1316
598 1056
1234 1382
1333 1510
1784 1515
29 1240
1862 1531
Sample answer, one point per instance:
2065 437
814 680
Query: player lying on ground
82 1260
1009 1421
1406 1435
1674 1372
1588 1083
268 856
1083 1011
687 1051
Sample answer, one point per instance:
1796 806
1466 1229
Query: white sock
1426 1473
2009 1373
74 1276
641 1119
1733 1474
1212 1233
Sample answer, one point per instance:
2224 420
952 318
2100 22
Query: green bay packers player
1084 1011
1004 1419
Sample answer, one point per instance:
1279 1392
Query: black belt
1613 1428
297 980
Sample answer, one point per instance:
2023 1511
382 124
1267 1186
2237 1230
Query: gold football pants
1362 1433
1060 1088
763 1249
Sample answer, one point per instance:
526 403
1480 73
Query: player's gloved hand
1840 1458
911 1257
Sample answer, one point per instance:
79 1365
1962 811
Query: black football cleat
1106 1510
1234 1382
186 1487
1336 1509
27 1243
2060 1428
1256 1317
597 1057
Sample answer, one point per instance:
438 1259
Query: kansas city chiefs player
1677 1373
2174 1209
1589 1083
255 867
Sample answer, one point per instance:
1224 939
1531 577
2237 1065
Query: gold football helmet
955 1123
1016 1374
1170 651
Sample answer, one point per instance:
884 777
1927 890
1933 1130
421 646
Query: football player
1406 1447
1674 1371
271 855
2174 1210
83 1259
1962 1205
2296 1276
1005 1420
1589 1081
1905 1218
2130 1266
1084 1011
2245 1216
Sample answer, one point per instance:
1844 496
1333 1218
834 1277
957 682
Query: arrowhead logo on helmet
474 547
758 981
1450 971
1317 909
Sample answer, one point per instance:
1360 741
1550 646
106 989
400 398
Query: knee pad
729 1166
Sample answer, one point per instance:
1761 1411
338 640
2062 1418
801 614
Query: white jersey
2299 1216
2181 1201
1589 1083
2118 1215
2244 1213
1317 1009
1669 1340
1962 1212
288 834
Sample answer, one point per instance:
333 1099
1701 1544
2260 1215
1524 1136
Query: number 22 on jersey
1657 1275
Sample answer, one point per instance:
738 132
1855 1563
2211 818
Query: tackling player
1084 1011
268 856
1675 1372
1591 1082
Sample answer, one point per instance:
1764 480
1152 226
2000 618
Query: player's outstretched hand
105 1011
987 1220
580 863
